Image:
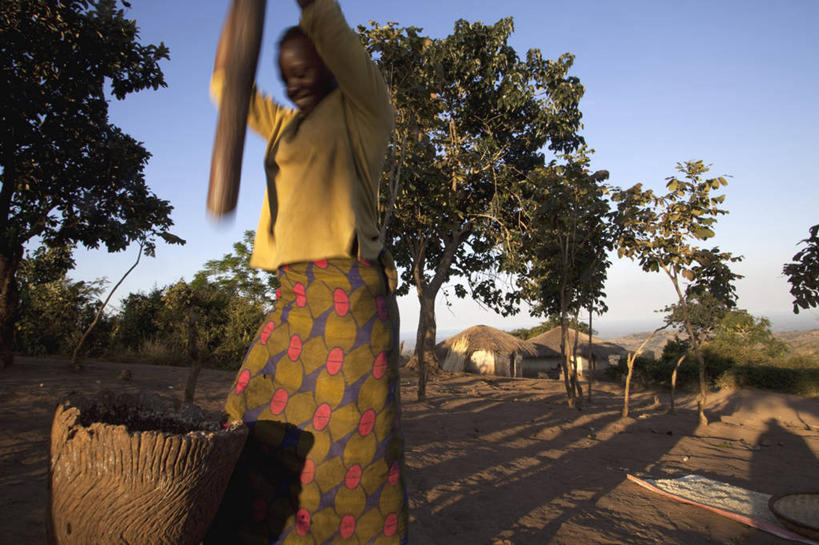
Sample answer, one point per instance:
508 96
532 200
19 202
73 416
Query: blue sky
734 83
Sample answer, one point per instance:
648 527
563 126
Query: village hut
548 359
484 350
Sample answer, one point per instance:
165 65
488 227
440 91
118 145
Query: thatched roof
481 337
548 345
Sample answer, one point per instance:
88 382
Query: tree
803 273
562 256
472 119
75 362
54 309
630 359
68 175
550 323
233 274
708 299
743 338
137 320
659 231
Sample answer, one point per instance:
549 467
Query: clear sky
734 83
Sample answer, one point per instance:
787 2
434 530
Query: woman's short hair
290 33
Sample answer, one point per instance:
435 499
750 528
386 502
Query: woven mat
746 506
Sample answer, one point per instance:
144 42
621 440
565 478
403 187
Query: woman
319 386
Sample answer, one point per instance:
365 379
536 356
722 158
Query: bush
800 381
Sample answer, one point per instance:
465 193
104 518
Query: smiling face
306 78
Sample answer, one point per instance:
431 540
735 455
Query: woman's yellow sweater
323 169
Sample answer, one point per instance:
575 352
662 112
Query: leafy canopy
803 273
566 237
472 118
69 176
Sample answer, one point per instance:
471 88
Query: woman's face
306 78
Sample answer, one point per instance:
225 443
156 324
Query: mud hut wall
481 362
530 367
455 362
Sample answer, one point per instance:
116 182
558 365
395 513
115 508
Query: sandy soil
491 460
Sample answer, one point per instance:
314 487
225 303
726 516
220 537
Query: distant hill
801 342
654 346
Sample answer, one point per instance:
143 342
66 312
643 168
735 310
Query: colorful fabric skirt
320 391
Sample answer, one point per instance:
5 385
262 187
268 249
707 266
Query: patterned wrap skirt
320 391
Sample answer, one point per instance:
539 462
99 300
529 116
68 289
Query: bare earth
491 460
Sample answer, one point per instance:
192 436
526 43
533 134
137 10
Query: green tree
743 338
137 320
564 248
550 323
472 119
234 275
803 273
54 309
68 175
75 362
659 233
708 299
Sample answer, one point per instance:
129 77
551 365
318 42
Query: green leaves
471 120
702 233
68 175
803 273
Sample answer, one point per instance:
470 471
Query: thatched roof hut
548 345
484 350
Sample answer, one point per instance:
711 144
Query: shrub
800 381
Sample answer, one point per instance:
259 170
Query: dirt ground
491 460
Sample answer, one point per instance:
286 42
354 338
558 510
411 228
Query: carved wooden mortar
125 469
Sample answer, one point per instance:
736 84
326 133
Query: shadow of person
264 489
783 461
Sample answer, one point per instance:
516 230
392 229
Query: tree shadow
517 474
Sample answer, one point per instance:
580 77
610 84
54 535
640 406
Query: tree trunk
630 363
427 291
703 397
9 303
75 363
575 375
592 358
674 382
425 340
564 359
695 343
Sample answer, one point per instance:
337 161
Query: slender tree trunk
703 397
695 343
575 375
564 328
630 363
674 382
564 359
75 363
630 359
592 359
11 251
9 303
394 185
